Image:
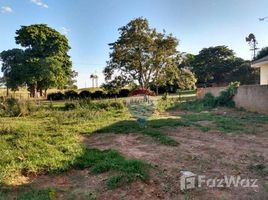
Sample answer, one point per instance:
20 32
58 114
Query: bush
124 93
97 94
12 107
209 100
85 94
226 97
57 96
71 94
142 91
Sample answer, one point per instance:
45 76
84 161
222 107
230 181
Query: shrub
124 93
12 107
209 100
97 94
84 94
57 96
226 97
142 91
71 94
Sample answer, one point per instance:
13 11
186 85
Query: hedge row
71 94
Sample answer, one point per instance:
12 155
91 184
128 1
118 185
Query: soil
212 154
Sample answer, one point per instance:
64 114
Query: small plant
209 100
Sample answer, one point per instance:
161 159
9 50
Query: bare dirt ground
212 154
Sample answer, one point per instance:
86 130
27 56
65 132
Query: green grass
110 160
48 194
47 140
154 129
226 124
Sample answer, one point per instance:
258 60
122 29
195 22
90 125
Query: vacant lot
95 150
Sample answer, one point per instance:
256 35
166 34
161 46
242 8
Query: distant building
263 65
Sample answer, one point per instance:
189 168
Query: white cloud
39 3
65 31
6 9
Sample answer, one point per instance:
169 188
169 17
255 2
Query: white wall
264 75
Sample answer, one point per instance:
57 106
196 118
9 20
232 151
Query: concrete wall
253 98
213 90
264 75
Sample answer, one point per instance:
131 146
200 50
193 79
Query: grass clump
48 194
110 160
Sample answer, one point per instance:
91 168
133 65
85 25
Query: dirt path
212 154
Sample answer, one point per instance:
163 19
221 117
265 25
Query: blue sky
91 24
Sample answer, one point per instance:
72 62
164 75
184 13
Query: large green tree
262 53
212 64
141 55
46 53
43 63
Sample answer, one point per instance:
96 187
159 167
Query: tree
46 57
262 53
244 73
140 55
13 68
213 64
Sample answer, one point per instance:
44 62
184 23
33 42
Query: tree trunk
41 92
7 91
33 90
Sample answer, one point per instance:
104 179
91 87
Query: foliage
44 62
219 65
209 100
226 97
97 94
56 96
141 55
142 91
123 93
71 94
262 53
212 64
11 107
244 73
13 68
84 94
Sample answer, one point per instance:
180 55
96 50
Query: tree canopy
43 63
142 55
262 53
219 65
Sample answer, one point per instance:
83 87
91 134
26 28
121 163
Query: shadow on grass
154 128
